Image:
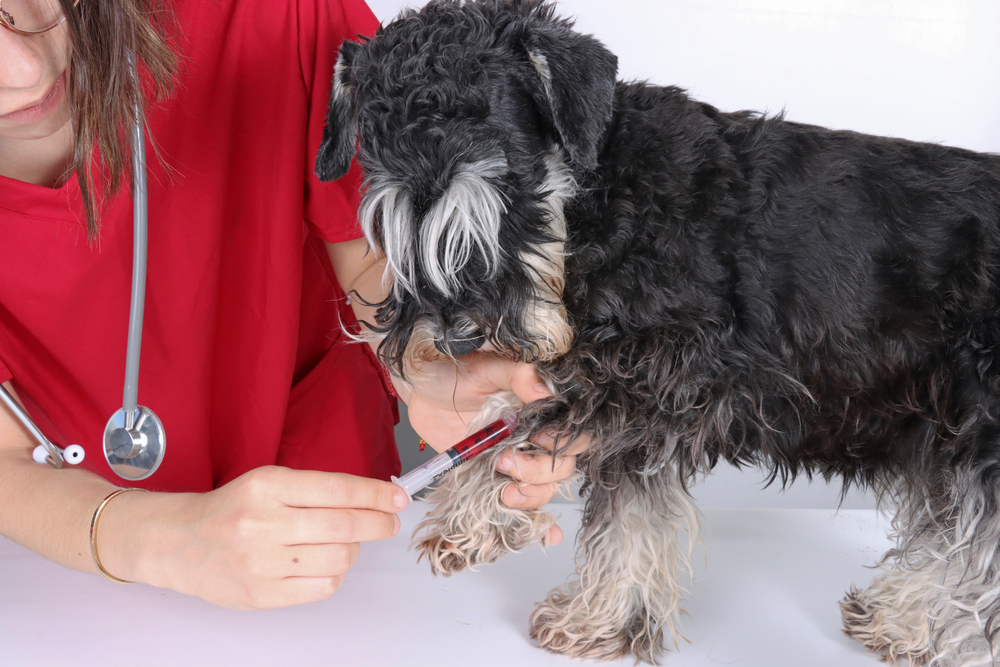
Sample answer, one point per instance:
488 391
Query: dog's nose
460 343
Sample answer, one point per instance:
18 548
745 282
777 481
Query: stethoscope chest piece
136 452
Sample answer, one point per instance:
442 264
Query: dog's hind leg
631 552
937 599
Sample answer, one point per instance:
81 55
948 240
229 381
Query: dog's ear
578 80
340 134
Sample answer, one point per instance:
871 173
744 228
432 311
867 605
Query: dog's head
470 121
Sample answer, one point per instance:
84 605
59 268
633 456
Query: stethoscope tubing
134 438
130 398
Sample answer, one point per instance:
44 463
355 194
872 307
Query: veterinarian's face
34 80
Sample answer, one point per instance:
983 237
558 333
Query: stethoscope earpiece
72 455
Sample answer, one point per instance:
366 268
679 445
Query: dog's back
826 299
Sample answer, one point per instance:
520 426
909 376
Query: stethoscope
134 439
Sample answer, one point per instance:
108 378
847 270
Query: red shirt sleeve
5 374
330 208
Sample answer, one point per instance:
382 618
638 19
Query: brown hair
103 90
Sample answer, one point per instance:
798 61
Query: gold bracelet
93 535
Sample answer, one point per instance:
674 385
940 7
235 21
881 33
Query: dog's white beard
465 220
386 195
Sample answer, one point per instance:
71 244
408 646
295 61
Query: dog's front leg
469 524
631 553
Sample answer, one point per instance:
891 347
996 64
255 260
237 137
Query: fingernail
400 499
514 498
395 525
542 388
506 464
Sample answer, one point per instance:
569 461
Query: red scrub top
243 358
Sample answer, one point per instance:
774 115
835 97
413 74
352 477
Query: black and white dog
696 286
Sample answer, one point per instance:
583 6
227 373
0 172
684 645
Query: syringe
467 449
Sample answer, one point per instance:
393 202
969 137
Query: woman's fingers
316 560
306 488
285 592
536 467
525 382
276 537
529 496
318 526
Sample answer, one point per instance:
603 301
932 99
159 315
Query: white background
927 70
765 596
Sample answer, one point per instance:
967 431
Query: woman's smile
41 109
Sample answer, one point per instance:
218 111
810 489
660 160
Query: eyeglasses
31 17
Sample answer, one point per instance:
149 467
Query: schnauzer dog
695 286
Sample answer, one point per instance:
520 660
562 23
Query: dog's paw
444 557
448 556
565 623
451 545
894 636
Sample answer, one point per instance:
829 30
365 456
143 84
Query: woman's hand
271 538
446 395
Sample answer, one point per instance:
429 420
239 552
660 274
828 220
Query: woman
243 357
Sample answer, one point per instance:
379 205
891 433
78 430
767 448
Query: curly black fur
784 294
739 287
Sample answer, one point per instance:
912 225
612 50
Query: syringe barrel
467 449
427 472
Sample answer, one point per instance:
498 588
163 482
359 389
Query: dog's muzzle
460 343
